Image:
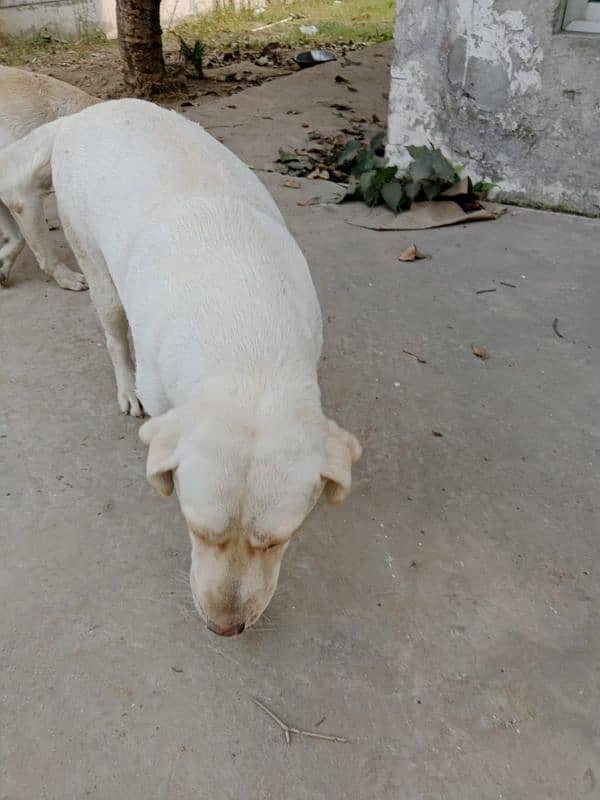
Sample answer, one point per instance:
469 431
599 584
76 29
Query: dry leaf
311 201
481 352
291 184
412 253
319 174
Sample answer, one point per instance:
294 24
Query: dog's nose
231 630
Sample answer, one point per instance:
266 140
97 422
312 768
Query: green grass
22 51
359 21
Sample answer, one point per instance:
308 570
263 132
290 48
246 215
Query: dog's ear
162 435
342 449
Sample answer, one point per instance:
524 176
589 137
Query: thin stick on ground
288 729
555 328
271 24
414 355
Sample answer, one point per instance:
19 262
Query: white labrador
178 238
27 101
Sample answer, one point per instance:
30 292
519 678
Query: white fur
27 101
179 239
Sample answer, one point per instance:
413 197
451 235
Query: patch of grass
22 51
358 21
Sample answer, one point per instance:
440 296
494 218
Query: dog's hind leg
29 214
25 177
11 244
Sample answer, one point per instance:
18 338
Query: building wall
72 18
498 87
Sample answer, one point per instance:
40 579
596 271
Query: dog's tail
26 164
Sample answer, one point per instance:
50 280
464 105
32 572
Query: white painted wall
73 18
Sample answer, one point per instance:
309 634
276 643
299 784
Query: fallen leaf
291 184
319 174
311 201
412 253
481 352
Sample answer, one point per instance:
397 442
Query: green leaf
377 141
430 163
349 152
364 182
351 192
386 174
372 182
431 189
392 194
483 187
285 157
412 189
365 162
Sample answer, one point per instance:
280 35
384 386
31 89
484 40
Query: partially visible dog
180 241
27 101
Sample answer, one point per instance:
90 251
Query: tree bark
140 42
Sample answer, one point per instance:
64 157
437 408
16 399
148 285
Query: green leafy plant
364 169
373 181
193 55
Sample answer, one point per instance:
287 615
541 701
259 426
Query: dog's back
28 100
203 262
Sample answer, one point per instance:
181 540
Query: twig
371 227
414 355
271 25
506 283
484 291
233 125
288 729
555 328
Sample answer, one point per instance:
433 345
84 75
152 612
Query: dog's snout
230 630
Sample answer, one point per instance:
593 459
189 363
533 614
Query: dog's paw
129 404
5 268
68 279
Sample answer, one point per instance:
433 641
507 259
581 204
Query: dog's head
244 493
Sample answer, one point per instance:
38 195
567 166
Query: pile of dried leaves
364 170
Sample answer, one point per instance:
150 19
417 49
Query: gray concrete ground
445 619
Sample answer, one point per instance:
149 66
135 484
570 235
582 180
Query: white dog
177 237
26 102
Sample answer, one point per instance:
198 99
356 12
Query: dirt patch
98 70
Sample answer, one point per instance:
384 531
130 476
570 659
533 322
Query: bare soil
98 71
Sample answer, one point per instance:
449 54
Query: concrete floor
445 619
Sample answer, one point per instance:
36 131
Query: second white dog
27 101
177 237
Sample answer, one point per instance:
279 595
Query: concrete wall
72 18
497 86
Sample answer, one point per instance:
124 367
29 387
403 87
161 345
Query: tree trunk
140 42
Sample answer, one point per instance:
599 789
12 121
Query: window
582 16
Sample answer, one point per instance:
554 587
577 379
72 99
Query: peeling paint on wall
504 39
494 86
